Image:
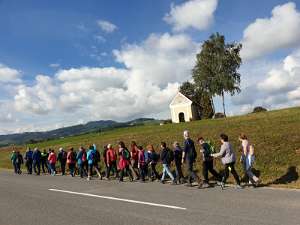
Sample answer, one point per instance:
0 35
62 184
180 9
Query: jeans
124 171
153 172
230 166
72 169
37 167
15 167
178 170
52 167
46 165
166 170
29 166
63 168
191 174
143 172
112 166
208 166
82 171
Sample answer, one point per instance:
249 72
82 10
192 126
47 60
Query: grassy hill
275 135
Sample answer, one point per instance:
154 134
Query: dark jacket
36 156
177 155
206 152
190 150
164 156
62 157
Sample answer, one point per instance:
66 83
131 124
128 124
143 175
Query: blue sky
69 62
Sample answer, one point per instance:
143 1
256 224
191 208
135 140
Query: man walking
189 155
62 158
28 159
167 157
36 157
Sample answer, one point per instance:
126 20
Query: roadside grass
275 135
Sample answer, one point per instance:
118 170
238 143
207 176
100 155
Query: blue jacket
36 156
29 155
90 156
79 157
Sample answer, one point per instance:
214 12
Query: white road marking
119 199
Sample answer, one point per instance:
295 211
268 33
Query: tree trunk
223 99
213 105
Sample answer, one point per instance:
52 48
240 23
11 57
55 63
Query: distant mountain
95 126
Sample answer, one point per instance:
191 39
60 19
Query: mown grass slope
275 135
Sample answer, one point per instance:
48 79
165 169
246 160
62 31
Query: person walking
228 159
13 158
19 162
247 160
142 164
104 157
134 160
71 161
111 162
189 155
80 158
44 161
28 160
93 158
178 163
36 157
124 162
152 161
167 156
52 162
62 158
208 162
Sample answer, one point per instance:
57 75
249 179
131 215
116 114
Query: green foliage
200 98
216 69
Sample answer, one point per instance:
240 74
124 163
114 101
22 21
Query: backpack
96 156
83 158
64 155
155 157
211 147
170 156
126 154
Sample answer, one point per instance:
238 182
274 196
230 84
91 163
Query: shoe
174 183
204 185
88 179
238 186
162 181
189 185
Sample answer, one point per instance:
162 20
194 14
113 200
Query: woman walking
124 162
247 159
228 159
52 162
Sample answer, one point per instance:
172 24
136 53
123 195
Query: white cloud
153 70
39 99
197 14
277 88
106 26
266 35
100 38
9 75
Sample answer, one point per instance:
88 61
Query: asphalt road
27 200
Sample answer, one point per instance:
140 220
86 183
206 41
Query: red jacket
52 158
134 153
123 162
111 156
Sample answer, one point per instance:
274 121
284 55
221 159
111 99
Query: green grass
275 135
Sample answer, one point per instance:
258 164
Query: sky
70 62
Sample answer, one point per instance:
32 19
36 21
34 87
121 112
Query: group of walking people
140 163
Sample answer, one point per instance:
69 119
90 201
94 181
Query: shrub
259 109
219 115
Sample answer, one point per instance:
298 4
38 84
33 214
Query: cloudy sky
73 61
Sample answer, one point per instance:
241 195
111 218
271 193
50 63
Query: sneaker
238 186
204 185
88 179
174 183
162 181
189 185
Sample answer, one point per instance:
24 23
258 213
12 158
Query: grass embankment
275 135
